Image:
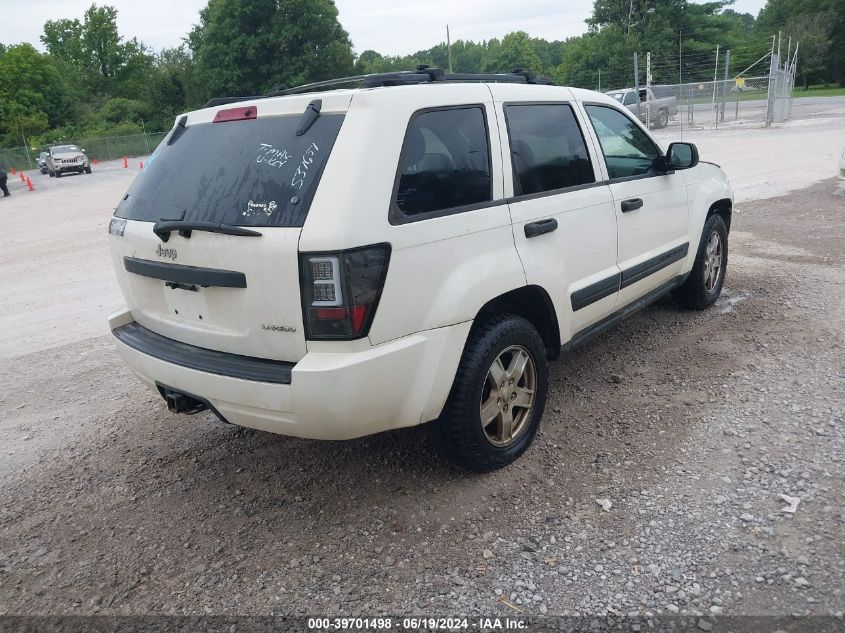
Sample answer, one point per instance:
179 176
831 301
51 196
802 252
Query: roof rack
422 74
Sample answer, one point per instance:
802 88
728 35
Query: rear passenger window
547 148
445 162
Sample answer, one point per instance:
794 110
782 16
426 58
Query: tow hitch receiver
178 402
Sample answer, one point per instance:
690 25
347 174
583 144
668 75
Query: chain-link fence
780 94
754 101
704 104
100 149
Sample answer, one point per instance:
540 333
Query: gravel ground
690 424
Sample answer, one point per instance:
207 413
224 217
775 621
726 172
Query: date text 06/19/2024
417 623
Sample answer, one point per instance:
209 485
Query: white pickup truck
657 110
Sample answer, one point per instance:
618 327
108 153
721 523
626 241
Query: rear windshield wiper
163 229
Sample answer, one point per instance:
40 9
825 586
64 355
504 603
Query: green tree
819 27
120 109
31 91
516 50
94 54
253 47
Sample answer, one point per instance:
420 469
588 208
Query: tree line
91 81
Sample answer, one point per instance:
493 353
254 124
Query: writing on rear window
255 208
272 156
256 172
302 171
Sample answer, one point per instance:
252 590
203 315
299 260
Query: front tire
498 396
704 284
88 170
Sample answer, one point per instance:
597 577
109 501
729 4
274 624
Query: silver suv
62 159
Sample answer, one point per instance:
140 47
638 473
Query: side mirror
681 156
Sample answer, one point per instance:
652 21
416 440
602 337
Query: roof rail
422 74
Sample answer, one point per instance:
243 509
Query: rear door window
548 151
254 172
445 164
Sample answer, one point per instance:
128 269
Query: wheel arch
724 208
534 304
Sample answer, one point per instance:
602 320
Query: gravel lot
690 424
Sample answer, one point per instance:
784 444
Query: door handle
533 229
631 205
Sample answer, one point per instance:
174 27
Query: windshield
63 149
618 96
255 172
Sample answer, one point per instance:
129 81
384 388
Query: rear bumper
329 395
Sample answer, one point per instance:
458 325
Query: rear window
255 172
445 163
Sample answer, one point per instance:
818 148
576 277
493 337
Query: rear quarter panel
442 270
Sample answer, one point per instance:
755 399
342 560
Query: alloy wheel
508 396
712 261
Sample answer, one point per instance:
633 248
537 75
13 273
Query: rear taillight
340 291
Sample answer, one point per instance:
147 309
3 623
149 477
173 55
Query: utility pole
680 75
724 89
599 79
637 86
715 77
648 90
449 48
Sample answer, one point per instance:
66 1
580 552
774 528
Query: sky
391 28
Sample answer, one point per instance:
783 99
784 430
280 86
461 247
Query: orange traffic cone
23 178
140 164
29 184
125 162
94 161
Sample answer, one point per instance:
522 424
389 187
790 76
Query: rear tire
704 284
502 378
662 118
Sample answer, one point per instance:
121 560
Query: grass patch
819 92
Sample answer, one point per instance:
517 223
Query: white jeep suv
334 264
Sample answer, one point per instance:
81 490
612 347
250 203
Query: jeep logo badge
170 253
